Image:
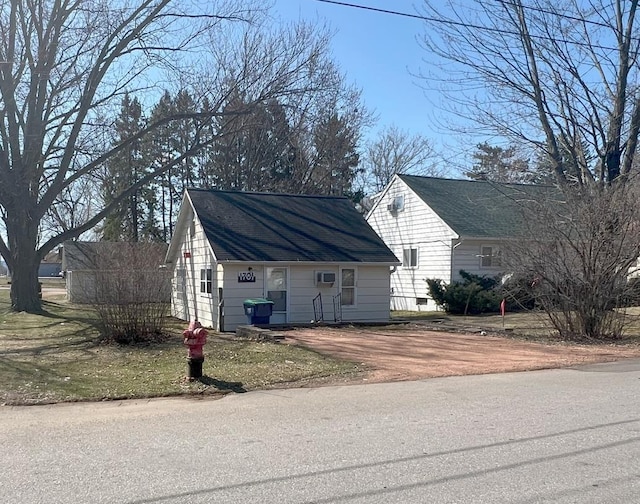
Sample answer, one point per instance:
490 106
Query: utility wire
439 20
463 24
384 11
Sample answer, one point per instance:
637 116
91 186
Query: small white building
115 271
231 246
441 226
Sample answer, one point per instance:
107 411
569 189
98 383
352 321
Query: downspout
453 247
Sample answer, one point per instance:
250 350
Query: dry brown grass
58 356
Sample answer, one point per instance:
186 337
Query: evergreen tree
504 165
161 147
122 171
184 135
336 158
255 150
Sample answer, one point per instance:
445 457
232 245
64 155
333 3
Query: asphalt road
561 436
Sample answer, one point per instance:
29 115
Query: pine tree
123 170
161 147
336 158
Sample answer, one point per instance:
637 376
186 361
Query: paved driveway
407 352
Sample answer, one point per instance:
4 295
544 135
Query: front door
276 291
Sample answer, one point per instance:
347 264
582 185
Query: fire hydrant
195 337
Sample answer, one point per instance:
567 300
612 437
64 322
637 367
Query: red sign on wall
186 255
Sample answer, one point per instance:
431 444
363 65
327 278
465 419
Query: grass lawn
529 325
58 357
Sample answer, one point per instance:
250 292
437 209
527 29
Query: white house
230 246
441 226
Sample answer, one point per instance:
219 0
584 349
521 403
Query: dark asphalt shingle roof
479 208
82 255
280 227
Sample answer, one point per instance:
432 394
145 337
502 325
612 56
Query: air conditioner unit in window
396 204
327 278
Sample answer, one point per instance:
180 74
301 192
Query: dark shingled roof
479 208
280 227
82 255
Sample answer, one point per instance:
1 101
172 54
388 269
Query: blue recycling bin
258 311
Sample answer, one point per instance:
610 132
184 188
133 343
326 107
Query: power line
384 11
439 20
486 28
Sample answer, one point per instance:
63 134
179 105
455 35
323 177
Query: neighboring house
51 265
115 272
441 226
228 247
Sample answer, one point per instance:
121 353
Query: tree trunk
24 280
23 264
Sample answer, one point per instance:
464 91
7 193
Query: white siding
372 296
304 289
468 257
415 226
372 293
192 304
81 286
235 292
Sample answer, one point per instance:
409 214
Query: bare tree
396 151
561 76
64 68
576 256
126 286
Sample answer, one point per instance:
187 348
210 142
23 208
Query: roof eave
312 263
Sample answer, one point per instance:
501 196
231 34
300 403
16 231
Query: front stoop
258 334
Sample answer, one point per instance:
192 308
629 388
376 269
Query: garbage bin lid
257 301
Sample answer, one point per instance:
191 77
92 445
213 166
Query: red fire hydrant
195 337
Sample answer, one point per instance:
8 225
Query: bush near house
473 295
477 294
127 290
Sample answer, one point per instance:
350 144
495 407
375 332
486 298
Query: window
348 287
396 204
206 277
421 301
181 280
410 258
490 257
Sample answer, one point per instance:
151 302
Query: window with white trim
410 258
206 280
490 257
348 287
397 203
181 280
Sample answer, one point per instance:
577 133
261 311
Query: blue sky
379 52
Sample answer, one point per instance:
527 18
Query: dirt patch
413 352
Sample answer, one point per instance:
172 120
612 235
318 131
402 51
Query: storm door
276 290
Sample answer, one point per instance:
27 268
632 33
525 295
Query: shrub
129 292
473 295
